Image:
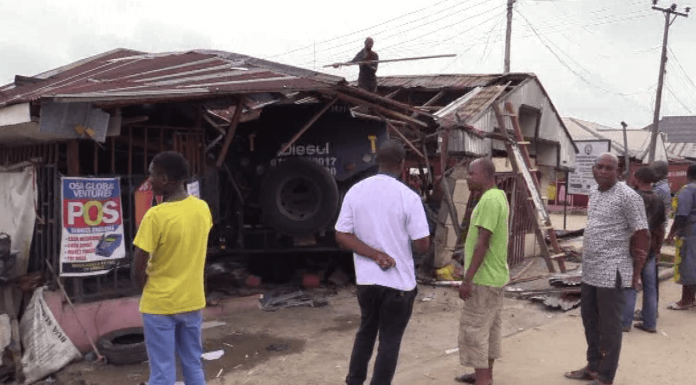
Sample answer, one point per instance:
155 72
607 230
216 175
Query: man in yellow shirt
171 247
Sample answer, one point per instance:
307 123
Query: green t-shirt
491 213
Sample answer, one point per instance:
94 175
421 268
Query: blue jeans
167 335
649 277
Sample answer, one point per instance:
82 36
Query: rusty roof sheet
125 75
438 82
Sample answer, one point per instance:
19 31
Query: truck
280 196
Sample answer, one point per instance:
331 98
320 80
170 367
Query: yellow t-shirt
175 234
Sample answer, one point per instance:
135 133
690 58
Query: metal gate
520 219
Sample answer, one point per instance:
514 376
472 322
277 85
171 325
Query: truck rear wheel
299 197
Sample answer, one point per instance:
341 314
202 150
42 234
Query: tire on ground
123 346
299 197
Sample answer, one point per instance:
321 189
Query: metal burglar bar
520 220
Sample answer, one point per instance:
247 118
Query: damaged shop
272 149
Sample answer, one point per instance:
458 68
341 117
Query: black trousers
385 311
601 309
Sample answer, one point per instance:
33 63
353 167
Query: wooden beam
434 99
216 126
380 100
73 154
308 125
404 138
230 132
335 65
378 108
391 95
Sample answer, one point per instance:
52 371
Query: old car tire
299 197
123 346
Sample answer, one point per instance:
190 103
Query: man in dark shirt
367 79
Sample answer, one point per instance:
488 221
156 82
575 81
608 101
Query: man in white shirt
380 219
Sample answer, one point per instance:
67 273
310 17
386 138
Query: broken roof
449 82
123 76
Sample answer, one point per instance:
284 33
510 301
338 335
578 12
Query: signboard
92 241
581 180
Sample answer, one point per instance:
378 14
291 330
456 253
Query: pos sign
92 241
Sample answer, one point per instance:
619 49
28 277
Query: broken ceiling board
66 119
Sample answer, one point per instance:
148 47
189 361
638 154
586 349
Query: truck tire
123 346
299 197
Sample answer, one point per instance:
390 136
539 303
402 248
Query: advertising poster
581 180
92 241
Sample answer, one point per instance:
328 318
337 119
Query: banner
581 180
93 240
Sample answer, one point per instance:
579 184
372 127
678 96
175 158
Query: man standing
367 79
661 188
485 262
614 250
379 220
174 234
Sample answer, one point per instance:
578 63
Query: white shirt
386 215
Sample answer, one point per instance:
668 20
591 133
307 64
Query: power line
569 68
352 42
403 43
362 30
680 66
422 25
677 99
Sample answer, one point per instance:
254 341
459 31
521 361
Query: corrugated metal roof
464 109
638 140
682 150
679 129
123 75
440 82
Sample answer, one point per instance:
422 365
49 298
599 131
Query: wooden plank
307 125
230 133
380 100
404 138
378 108
518 167
391 95
335 65
73 155
447 192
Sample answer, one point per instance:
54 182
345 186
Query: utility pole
669 19
508 35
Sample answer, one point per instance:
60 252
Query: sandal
679 306
642 327
581 374
468 378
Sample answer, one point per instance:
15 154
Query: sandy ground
315 344
539 346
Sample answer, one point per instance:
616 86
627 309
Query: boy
171 247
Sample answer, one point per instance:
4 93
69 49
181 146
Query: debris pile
564 293
294 299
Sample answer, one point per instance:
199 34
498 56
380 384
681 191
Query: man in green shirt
485 263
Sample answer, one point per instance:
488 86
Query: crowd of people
383 222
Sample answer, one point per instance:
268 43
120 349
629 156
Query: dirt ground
539 346
311 346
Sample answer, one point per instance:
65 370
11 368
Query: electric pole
508 35
671 15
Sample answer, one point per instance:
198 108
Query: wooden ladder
519 158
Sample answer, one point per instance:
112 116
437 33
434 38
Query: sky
597 59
